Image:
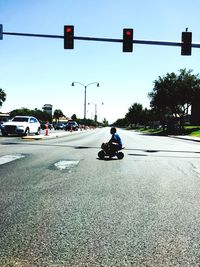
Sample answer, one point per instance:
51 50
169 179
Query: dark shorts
116 147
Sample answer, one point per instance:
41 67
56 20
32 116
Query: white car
21 125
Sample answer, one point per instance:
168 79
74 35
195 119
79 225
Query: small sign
1 31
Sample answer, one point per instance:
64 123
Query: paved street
62 206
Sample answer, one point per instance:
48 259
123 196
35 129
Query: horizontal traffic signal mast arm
34 35
62 37
164 43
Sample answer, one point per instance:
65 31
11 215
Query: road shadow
82 147
98 147
108 159
165 156
138 155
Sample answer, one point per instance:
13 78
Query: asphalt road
62 206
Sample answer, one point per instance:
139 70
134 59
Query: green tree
74 117
146 117
134 114
188 89
42 115
2 97
121 122
105 122
57 114
39 114
21 112
173 94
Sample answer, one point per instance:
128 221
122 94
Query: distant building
48 108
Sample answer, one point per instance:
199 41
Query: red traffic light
127 40
128 33
68 37
68 29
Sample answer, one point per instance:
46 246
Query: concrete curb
187 138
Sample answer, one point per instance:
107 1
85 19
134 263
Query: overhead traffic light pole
182 44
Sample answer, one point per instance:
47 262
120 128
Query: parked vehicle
21 125
43 125
59 126
71 126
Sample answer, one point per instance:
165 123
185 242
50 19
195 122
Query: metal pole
114 40
95 116
85 103
85 93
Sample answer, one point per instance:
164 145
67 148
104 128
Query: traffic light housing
127 40
186 47
1 31
68 37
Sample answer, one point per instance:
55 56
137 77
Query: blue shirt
116 139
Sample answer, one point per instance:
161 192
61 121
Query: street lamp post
95 110
85 93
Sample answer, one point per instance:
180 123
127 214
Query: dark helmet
113 130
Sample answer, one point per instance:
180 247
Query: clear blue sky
38 71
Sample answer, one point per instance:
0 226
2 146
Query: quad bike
108 152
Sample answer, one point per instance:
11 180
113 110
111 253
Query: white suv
21 125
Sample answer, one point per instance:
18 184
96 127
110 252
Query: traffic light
127 40
68 37
1 31
186 47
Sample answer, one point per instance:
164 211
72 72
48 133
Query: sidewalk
49 136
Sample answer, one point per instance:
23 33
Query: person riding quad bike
112 148
115 142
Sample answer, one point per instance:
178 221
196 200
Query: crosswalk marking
9 158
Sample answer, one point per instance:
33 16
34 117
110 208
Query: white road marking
66 164
9 158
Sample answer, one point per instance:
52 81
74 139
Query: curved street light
85 93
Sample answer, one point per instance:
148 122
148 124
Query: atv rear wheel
120 155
